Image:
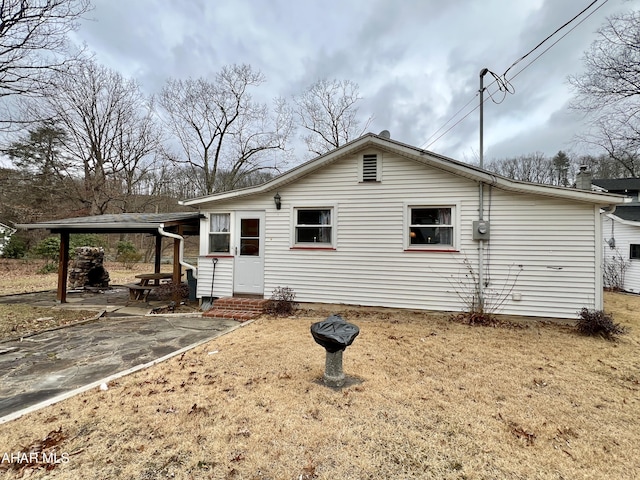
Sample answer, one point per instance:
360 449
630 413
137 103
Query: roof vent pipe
385 134
186 265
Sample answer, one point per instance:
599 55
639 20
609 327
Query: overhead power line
504 84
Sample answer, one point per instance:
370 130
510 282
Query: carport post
177 272
63 268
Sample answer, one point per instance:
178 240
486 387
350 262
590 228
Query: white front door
248 274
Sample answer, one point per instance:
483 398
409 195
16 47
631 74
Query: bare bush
614 271
281 302
598 323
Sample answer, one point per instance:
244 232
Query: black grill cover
334 333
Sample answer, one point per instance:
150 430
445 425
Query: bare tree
33 43
219 127
110 133
328 111
534 167
601 166
609 90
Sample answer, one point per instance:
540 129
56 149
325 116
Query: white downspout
188 266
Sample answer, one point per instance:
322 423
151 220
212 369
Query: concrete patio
48 366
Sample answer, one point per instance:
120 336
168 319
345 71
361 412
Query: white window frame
294 227
210 232
631 257
454 225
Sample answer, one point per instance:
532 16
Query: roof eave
633 223
428 158
85 226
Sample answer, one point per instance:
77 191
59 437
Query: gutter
188 266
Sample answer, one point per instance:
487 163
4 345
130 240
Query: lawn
432 399
21 276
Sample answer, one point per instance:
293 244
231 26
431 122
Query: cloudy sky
417 62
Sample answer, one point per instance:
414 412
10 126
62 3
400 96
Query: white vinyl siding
625 235
223 284
554 240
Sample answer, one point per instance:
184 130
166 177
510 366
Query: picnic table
140 291
146 278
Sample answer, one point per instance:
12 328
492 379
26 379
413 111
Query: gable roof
424 157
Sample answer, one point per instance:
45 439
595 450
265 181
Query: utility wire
558 40
549 36
505 85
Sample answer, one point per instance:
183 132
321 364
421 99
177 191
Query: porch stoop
236 308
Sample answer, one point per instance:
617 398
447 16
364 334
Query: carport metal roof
179 223
189 222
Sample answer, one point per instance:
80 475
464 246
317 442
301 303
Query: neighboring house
378 222
629 187
5 234
621 231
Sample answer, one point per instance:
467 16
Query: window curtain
445 233
220 222
444 216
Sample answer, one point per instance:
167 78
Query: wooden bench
139 292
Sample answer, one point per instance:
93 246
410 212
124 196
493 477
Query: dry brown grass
437 400
21 276
22 320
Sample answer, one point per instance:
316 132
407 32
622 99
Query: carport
170 225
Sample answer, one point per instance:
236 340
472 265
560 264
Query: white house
378 222
5 234
621 232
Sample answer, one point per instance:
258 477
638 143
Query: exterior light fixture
277 199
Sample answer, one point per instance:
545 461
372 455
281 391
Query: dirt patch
17 321
172 307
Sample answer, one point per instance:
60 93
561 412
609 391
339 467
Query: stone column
333 374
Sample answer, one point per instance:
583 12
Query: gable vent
370 168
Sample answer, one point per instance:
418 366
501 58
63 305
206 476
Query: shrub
49 249
281 302
15 248
85 240
49 267
127 254
597 322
